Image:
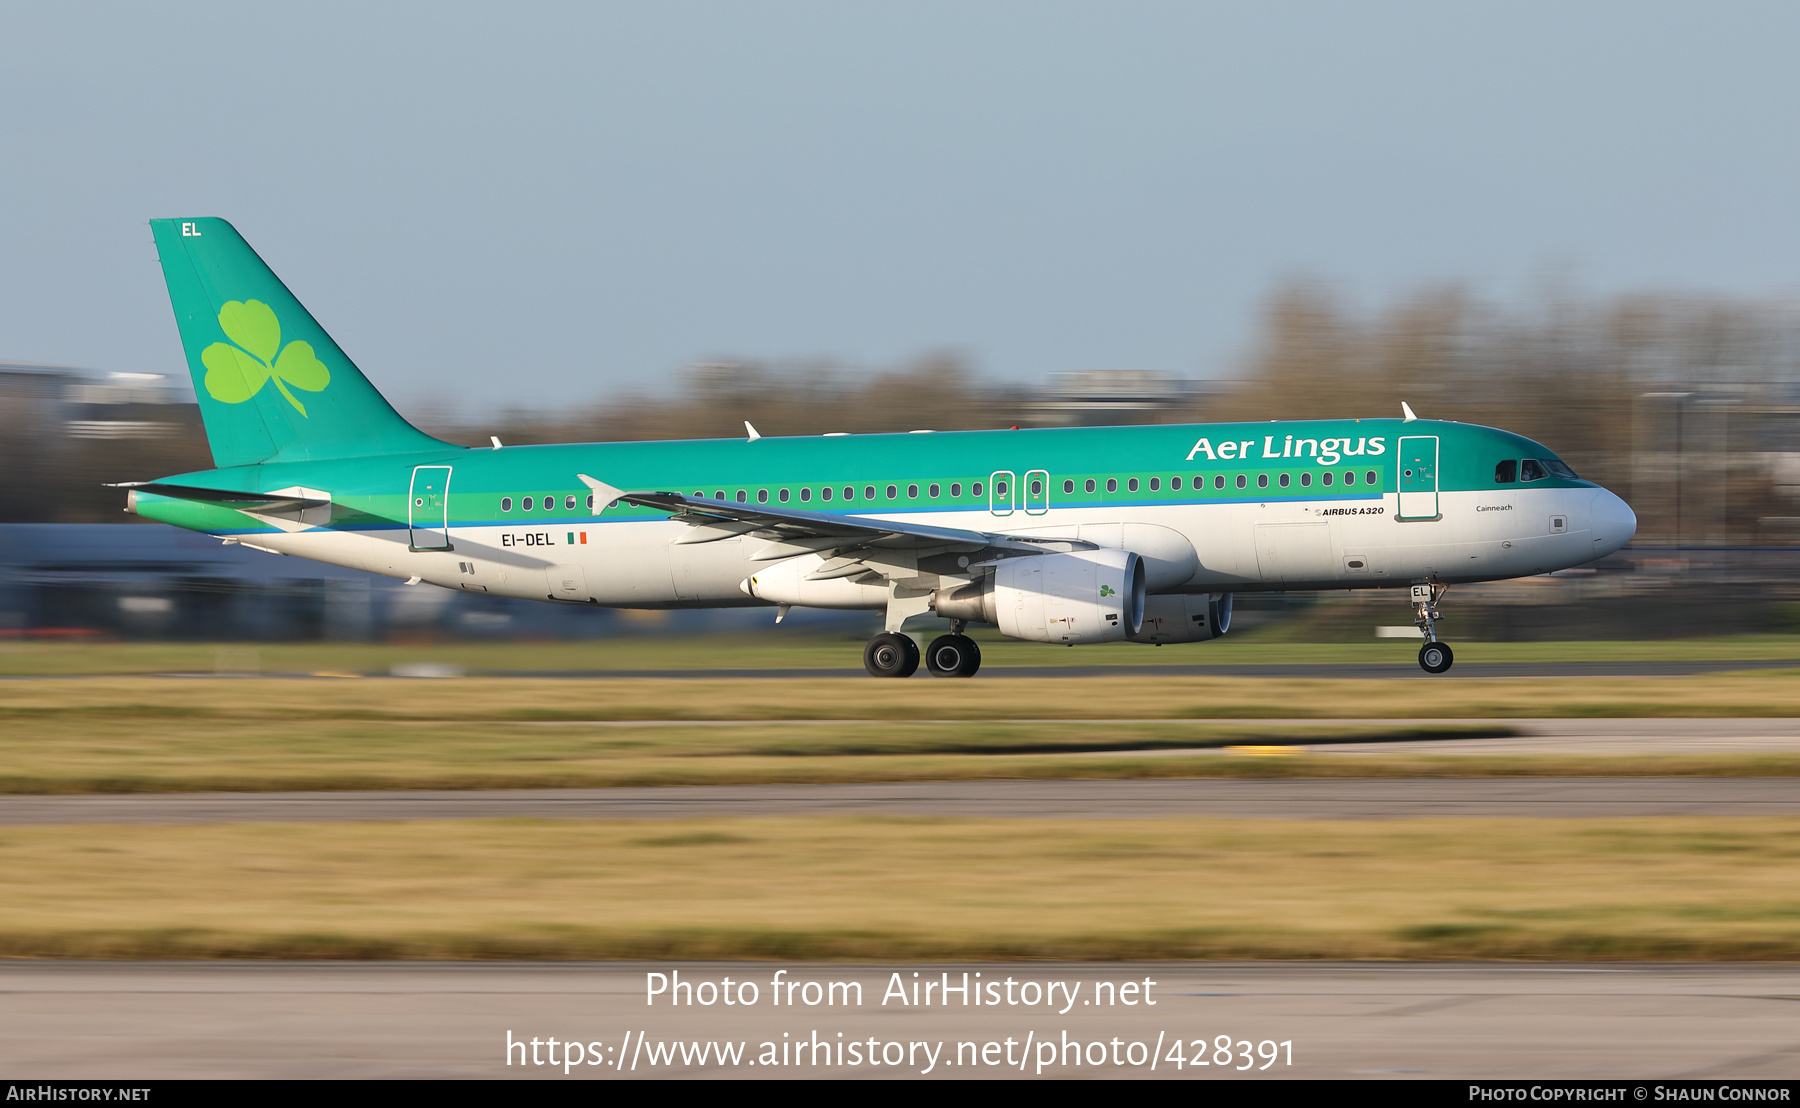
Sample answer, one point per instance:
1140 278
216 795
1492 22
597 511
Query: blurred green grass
778 650
874 888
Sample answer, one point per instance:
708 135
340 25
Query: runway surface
380 1020
1384 671
1341 670
1257 799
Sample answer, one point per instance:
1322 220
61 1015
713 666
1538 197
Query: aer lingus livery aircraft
1068 535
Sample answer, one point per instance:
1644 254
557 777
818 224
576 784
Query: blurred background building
1688 406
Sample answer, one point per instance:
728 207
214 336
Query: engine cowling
1180 617
1082 596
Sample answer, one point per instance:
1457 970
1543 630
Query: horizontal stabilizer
286 498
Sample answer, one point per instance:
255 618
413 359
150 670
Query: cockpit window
1559 469
1531 470
1506 472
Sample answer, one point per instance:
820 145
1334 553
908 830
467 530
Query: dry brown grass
885 888
155 735
1752 693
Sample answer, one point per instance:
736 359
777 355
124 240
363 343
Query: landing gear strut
891 654
1434 656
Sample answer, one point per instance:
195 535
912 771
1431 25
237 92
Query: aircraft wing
794 531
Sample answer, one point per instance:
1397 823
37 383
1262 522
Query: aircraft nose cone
1614 523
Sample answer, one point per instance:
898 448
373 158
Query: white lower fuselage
1508 531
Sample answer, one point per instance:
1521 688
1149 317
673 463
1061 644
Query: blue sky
544 205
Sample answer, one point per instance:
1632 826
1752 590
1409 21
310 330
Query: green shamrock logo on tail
235 373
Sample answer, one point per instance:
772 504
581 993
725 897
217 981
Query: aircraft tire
1436 657
952 656
974 662
891 655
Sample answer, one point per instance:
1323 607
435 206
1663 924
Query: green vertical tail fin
272 385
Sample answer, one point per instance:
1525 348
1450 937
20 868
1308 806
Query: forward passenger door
1418 477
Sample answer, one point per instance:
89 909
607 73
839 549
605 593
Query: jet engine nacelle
1080 597
1179 617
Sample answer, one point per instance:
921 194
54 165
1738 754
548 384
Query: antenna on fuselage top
1406 410
495 439
754 433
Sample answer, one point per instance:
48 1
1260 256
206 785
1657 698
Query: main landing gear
953 656
1434 656
891 654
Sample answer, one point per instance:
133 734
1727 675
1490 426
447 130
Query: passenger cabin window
1112 485
506 503
1284 480
762 496
1369 477
999 488
590 498
912 492
849 492
868 492
975 489
1349 477
1090 485
1531 470
933 490
740 496
956 488
528 503
1325 478
569 502
893 492
1037 487
1305 479
1506 472
1241 481
1262 480
1175 483
1155 483
1131 485
782 496
805 495
719 495
1068 486
825 493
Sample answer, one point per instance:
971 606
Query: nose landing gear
1434 656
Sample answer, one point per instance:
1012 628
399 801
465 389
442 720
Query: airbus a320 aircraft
1067 535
